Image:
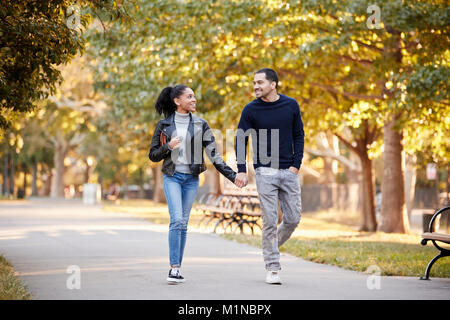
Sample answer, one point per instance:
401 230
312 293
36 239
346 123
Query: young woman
179 140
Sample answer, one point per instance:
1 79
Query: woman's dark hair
164 103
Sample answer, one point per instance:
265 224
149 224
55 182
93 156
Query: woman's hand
175 143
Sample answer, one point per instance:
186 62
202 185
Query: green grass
393 258
11 288
329 238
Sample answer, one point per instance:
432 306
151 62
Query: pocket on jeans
294 174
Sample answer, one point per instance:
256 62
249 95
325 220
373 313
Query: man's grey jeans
273 185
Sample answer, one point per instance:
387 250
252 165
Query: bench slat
436 236
215 209
249 213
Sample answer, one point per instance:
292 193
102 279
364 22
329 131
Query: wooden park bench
436 237
233 208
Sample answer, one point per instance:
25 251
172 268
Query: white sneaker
273 277
175 276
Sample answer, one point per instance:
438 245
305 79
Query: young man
275 123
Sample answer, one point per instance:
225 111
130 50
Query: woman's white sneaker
175 276
273 277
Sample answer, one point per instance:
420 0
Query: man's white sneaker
273 277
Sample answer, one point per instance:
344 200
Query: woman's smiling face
186 102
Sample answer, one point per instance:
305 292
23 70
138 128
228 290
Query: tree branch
362 61
302 77
347 143
344 93
81 105
308 170
330 154
369 46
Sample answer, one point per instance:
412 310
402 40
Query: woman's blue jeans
180 190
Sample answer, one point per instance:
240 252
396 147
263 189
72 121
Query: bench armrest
433 218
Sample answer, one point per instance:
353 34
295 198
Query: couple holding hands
275 123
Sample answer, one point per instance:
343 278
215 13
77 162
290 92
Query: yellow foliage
317 163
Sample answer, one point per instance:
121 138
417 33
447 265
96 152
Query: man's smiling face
262 86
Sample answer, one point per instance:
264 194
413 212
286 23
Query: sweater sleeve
209 142
241 140
298 137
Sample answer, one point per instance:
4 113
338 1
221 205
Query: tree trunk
448 185
328 142
25 181
5 174
438 198
34 181
410 182
328 176
102 187
125 190
214 182
354 175
12 173
57 189
158 188
86 172
46 190
393 211
369 221
367 181
141 194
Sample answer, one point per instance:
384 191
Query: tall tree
36 37
67 116
346 73
36 149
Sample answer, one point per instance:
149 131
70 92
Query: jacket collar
170 119
170 122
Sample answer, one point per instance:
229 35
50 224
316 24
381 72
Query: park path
122 257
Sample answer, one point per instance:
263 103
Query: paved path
121 257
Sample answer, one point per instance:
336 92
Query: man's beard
261 94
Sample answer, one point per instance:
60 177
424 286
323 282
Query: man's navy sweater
282 114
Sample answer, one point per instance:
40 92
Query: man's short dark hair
271 75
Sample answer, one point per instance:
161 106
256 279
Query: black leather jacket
199 137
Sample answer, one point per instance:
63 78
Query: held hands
175 143
241 179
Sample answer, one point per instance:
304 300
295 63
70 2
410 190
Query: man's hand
241 179
293 170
